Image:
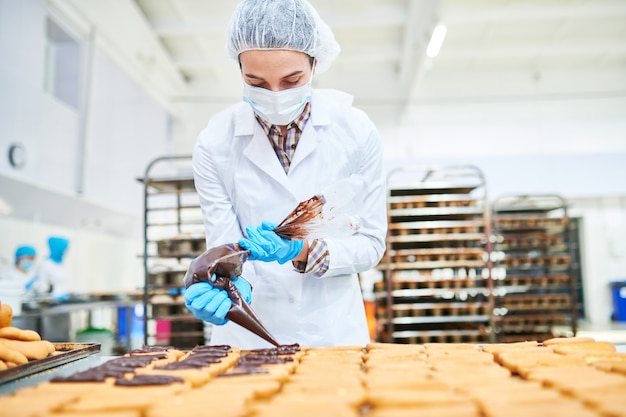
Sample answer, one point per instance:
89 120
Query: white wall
46 128
125 130
575 146
604 249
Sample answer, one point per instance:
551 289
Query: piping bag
323 215
226 262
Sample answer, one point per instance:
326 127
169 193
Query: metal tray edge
70 352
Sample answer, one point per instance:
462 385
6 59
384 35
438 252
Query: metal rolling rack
173 236
437 284
535 291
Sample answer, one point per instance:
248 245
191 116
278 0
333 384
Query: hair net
24 251
58 246
281 24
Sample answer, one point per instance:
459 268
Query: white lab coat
52 274
241 182
16 277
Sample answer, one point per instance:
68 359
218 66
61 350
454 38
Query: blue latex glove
62 297
30 283
212 304
244 288
265 245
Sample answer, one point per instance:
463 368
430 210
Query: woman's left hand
265 245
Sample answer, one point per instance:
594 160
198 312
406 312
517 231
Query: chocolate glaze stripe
132 361
115 368
87 376
154 356
181 365
147 380
280 350
215 354
260 360
203 348
201 361
152 348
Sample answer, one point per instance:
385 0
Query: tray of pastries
23 352
59 354
577 377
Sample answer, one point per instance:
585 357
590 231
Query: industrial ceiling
493 50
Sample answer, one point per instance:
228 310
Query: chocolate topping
152 348
259 357
208 353
289 349
202 360
146 380
211 348
152 356
85 376
250 363
259 360
279 350
113 368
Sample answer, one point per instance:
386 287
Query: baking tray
66 352
435 211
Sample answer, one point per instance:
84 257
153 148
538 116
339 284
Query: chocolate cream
148 380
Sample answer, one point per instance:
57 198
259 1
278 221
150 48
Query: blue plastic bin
133 316
618 289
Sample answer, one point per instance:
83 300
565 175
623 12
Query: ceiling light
436 40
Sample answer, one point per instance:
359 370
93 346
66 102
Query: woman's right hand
212 304
208 303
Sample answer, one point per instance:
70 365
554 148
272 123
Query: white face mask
26 264
277 107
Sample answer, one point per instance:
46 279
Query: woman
21 274
257 160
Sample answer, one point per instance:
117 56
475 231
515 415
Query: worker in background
22 273
52 272
256 160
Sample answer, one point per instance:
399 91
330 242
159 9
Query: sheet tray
65 352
